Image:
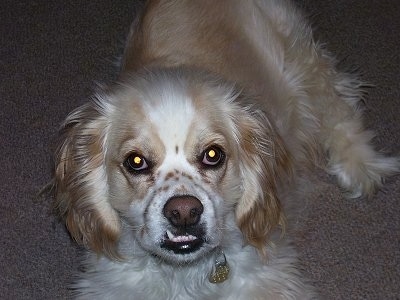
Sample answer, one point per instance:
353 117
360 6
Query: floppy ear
264 160
81 181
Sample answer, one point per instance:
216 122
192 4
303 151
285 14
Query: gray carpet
51 55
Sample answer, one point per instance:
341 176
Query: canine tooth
170 235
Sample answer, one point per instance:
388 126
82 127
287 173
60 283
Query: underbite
183 243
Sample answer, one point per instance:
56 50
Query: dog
177 177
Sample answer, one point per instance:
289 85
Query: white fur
146 277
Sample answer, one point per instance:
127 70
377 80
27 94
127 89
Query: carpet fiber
52 53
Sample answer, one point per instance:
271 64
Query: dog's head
169 154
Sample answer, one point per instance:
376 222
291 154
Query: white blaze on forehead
172 115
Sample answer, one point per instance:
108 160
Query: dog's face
172 169
170 155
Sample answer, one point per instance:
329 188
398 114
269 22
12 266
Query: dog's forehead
172 118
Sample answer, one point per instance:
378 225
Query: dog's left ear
264 161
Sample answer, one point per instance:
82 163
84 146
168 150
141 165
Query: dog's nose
183 211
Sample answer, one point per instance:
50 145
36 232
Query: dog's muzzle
185 233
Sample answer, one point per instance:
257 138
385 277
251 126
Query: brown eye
135 163
213 156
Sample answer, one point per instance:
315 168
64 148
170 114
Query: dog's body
190 158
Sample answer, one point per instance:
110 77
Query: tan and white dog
176 176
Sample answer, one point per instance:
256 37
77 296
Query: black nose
183 211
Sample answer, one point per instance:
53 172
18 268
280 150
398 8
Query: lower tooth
180 238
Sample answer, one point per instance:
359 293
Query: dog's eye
135 162
213 156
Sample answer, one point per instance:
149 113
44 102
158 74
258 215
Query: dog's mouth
183 243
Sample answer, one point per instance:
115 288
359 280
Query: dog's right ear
81 181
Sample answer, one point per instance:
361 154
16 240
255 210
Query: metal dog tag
220 271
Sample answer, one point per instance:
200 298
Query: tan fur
89 218
265 162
